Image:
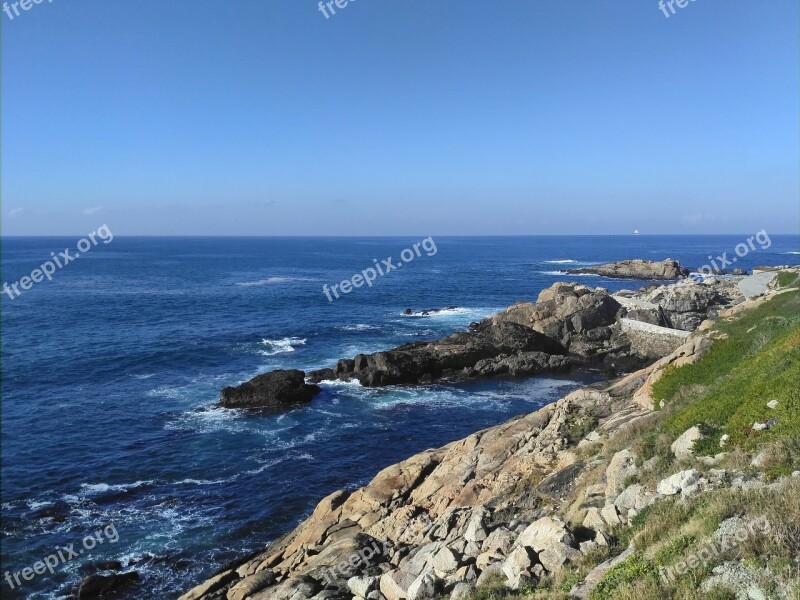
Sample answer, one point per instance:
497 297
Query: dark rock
97 586
427 312
271 391
581 319
458 357
637 269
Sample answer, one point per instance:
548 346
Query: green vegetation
788 279
756 361
632 569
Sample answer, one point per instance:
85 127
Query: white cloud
15 212
91 211
697 219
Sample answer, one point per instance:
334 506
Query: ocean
111 372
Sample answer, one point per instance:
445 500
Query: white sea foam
201 482
287 344
792 252
448 313
340 383
271 281
565 274
360 327
102 488
209 420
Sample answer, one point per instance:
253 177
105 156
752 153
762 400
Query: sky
400 117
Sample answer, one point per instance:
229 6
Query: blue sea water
110 374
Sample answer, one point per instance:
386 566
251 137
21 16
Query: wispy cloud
15 212
92 210
697 219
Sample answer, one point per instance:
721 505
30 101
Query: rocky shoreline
569 324
515 502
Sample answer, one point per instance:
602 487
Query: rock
544 533
745 581
485 559
96 586
620 469
488 349
593 520
554 557
499 542
421 558
445 561
578 317
633 497
687 304
610 515
724 440
475 531
683 447
637 269
252 584
394 585
462 591
517 567
773 404
467 573
293 588
271 391
678 482
759 426
210 586
423 587
362 586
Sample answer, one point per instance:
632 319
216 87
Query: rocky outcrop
682 305
569 323
271 391
665 270
487 349
99 586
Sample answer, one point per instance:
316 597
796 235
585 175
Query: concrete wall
651 340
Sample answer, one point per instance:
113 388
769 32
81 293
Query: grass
728 391
788 279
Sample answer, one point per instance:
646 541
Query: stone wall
651 340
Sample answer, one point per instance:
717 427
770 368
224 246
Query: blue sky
400 117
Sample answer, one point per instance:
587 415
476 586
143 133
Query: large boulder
637 269
271 391
581 319
96 586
